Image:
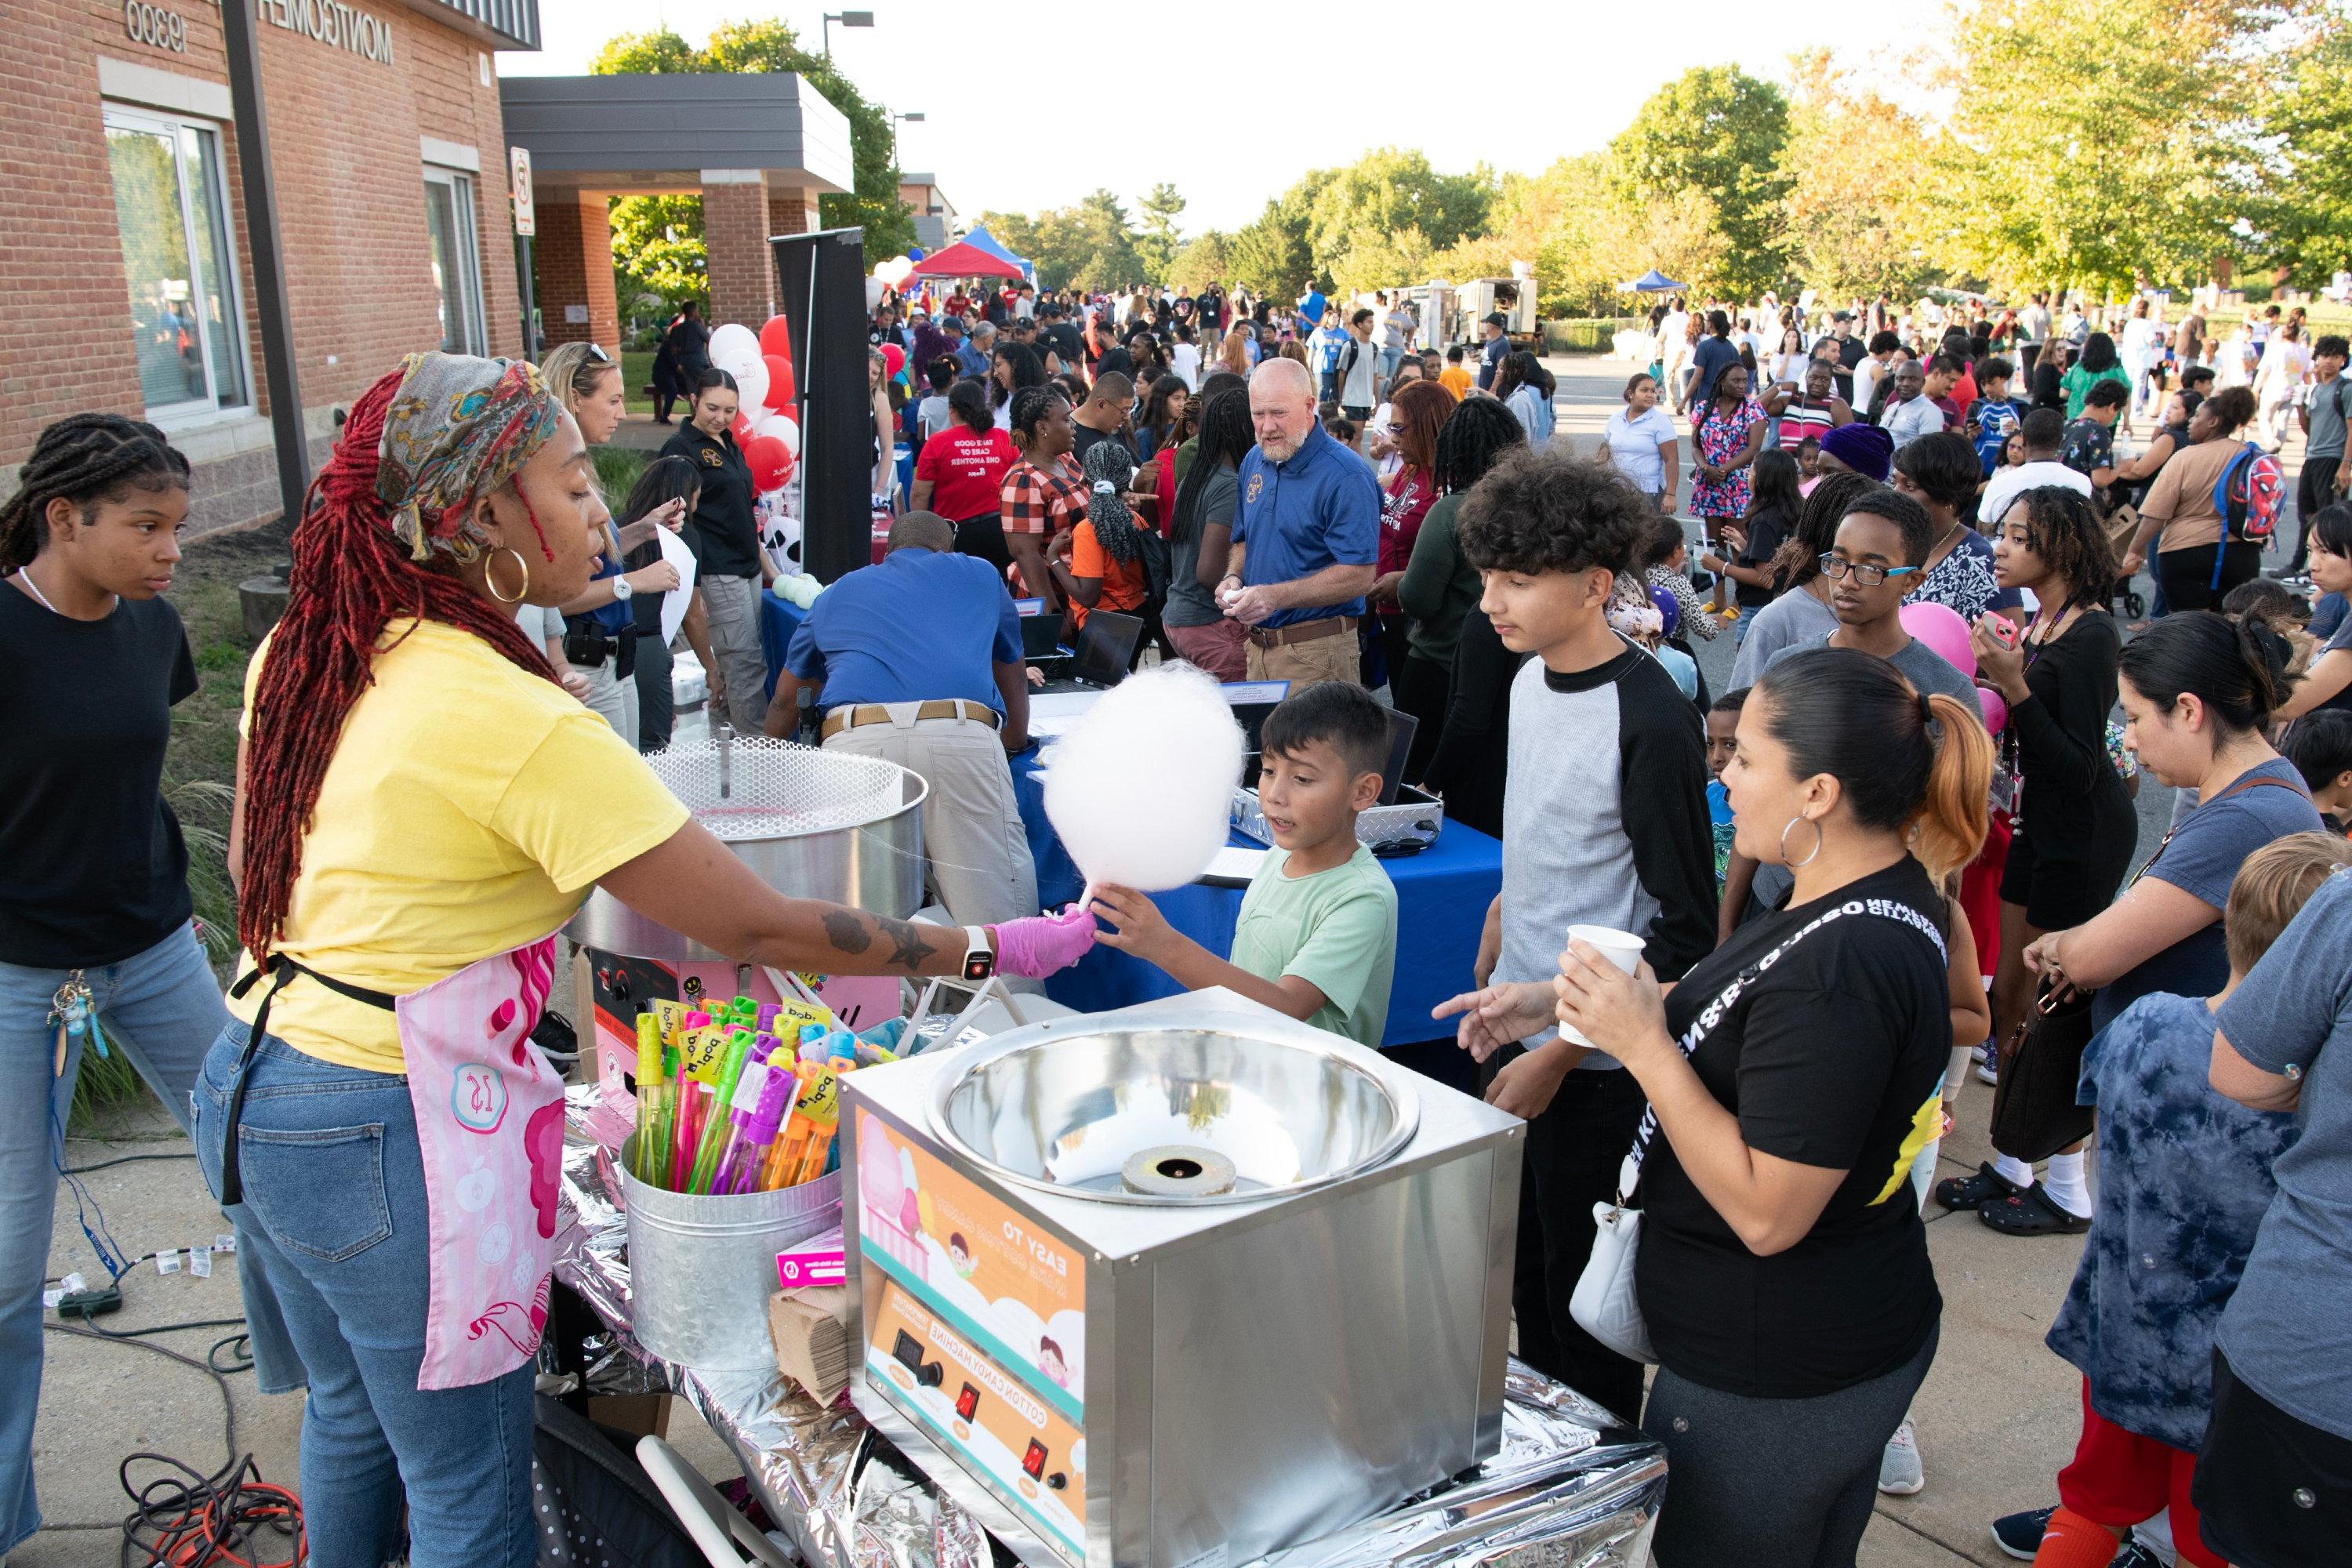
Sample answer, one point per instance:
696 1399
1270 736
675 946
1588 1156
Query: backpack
2249 496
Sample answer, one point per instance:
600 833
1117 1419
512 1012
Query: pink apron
489 1125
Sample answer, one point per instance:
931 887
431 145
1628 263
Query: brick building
124 258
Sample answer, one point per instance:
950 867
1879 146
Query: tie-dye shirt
2184 1179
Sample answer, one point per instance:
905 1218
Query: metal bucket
809 824
701 1267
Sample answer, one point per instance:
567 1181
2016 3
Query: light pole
915 118
847 19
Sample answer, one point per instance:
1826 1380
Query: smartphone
2000 628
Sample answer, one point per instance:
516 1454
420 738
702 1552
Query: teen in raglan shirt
1606 816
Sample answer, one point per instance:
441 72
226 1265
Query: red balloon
770 460
776 338
779 381
894 358
742 426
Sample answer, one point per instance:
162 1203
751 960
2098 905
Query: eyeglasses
596 352
1863 571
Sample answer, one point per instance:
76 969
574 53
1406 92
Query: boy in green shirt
1316 936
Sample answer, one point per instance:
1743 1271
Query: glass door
170 208
456 281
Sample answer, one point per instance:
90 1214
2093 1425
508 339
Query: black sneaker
2137 1554
2020 1534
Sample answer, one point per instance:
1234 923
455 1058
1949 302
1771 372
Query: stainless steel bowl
810 824
1062 1112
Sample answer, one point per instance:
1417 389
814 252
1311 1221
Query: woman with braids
1043 495
95 918
419 804
605 628
1105 567
1201 530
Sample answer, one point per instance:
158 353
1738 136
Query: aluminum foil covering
1570 1487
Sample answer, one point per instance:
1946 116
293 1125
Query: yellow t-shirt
469 808
1456 380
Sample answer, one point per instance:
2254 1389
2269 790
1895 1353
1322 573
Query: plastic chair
724 1536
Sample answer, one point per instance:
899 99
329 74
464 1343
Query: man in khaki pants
917 661
1306 542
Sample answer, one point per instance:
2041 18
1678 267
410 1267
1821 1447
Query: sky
1008 126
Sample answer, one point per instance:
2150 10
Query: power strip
86 1304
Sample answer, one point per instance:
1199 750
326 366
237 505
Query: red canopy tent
964 259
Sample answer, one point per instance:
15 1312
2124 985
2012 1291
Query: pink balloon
1941 628
1996 709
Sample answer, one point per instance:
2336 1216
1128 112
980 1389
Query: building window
456 277
171 206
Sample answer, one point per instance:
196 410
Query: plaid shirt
1042 502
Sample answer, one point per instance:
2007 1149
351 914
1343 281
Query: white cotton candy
1140 789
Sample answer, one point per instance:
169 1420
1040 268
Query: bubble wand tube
652 1098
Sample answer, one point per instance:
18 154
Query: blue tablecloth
779 619
1442 898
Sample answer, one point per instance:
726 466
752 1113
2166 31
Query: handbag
1604 1304
2033 1109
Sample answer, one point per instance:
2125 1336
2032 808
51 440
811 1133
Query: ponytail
2236 669
1920 767
1952 815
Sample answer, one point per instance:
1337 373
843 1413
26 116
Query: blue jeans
335 1203
162 1008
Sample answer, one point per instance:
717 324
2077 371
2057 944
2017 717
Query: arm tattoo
846 932
912 950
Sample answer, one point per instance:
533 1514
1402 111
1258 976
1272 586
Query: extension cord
88 1304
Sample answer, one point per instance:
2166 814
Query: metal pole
243 46
529 311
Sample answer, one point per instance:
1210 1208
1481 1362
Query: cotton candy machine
1179 1284
810 824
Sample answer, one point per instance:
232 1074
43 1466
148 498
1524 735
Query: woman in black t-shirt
1783 1270
722 620
97 937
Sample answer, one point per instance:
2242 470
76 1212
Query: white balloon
1165 735
731 342
783 427
752 386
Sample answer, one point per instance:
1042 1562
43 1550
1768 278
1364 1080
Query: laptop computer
1105 651
1402 729
1041 634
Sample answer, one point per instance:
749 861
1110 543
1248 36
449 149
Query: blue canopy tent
1651 282
986 241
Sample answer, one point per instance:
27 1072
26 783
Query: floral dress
1721 437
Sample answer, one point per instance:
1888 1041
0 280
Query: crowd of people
1900 839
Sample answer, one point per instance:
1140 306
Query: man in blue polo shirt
917 661
1306 542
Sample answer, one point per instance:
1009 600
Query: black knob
930 1374
1058 1481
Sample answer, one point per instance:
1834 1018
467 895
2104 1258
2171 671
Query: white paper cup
1621 947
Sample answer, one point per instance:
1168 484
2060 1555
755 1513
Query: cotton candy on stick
1140 788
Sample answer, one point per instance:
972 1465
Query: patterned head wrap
458 430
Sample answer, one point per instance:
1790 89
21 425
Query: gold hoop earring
1809 856
490 574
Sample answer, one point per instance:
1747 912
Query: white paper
674 551
200 1262
224 1242
168 1261
1234 864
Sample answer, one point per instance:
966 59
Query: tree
658 246
1090 245
1366 211
872 203
1859 191
2310 224
1720 133
2135 170
1271 256
1160 237
1207 258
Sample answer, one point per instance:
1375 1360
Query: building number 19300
152 25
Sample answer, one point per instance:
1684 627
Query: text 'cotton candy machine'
1178 1285
809 824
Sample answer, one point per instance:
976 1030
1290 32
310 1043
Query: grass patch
638 371
617 468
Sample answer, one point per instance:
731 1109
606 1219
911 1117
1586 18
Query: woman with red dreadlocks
420 805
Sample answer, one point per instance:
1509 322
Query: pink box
816 1261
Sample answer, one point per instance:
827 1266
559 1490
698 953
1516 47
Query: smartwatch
979 953
622 591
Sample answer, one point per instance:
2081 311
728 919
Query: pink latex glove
1040 945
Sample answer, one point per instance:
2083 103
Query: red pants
1980 895
2119 1479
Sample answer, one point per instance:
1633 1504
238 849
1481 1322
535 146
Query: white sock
2016 1172
2062 1184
